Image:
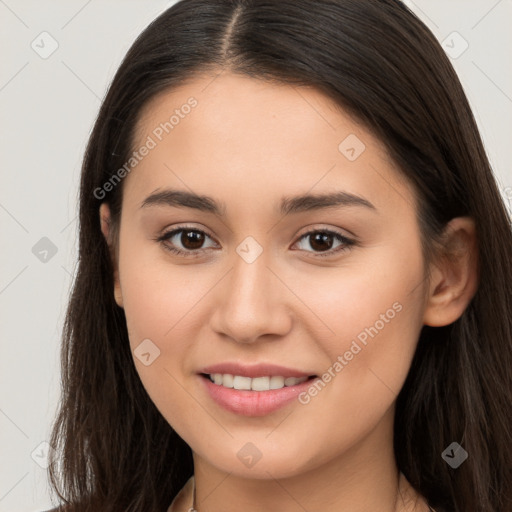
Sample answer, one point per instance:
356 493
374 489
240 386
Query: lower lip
253 403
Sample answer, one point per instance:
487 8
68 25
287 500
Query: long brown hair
379 62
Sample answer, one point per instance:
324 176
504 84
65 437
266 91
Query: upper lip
254 370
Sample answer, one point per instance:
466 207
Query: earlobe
105 222
454 274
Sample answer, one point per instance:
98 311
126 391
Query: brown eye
184 241
192 239
323 241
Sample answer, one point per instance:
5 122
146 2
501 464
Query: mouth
260 395
259 384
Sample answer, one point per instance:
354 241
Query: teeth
256 384
240 382
226 380
276 382
293 381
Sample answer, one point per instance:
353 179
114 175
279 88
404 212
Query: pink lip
253 403
255 370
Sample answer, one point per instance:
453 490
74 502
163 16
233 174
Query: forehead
235 106
259 136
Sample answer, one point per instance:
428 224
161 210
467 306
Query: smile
253 396
265 383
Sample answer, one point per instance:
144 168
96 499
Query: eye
191 241
324 240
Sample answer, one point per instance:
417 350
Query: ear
454 274
107 233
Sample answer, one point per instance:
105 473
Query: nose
252 302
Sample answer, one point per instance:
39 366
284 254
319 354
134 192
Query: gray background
47 108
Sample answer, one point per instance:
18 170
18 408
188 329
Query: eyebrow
288 205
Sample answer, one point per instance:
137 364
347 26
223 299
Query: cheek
375 311
158 296
365 375
158 301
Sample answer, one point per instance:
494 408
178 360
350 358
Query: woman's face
306 256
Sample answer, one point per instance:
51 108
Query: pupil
192 239
320 240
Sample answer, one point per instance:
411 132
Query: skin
247 143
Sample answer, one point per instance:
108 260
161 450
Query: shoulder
185 498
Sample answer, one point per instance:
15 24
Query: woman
292 290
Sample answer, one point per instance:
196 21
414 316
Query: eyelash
347 242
